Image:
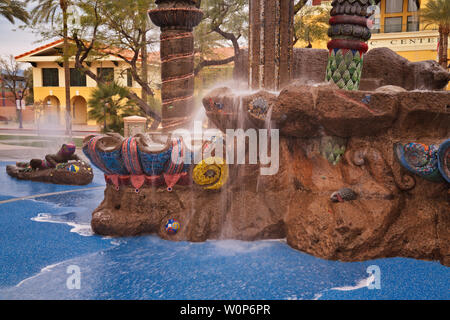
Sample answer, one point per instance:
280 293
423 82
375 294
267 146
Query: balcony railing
410 27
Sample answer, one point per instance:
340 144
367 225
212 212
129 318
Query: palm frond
12 9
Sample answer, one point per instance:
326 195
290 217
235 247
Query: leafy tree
104 27
225 21
12 9
11 77
28 75
311 24
437 12
118 28
47 11
108 104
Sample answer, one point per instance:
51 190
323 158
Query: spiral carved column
177 20
348 32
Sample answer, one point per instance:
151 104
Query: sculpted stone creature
64 155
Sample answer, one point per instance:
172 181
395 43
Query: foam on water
364 283
83 229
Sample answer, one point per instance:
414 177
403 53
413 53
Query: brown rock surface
56 176
395 214
382 67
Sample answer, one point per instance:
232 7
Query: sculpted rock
305 111
330 140
76 173
390 89
381 67
392 69
228 110
64 167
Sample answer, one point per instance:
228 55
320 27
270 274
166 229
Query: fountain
361 174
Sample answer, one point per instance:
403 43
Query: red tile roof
49 45
220 53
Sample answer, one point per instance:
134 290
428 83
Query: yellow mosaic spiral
211 173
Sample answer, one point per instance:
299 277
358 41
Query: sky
14 40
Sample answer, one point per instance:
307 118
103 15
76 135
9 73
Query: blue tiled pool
41 237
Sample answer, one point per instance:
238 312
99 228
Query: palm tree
46 11
438 12
109 104
12 9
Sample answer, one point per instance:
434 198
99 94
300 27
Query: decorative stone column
134 125
177 18
348 32
270 43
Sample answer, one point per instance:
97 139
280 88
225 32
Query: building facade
49 80
397 26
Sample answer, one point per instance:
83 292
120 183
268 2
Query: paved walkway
29 129
20 153
24 153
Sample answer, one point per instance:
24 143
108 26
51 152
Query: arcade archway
79 110
52 110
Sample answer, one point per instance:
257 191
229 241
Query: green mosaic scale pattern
345 69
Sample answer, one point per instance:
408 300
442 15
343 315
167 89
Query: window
412 6
394 6
77 78
413 23
129 78
393 24
106 74
50 77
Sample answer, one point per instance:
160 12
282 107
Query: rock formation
77 173
381 67
330 140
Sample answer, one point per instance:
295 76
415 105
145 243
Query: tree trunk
144 56
20 118
440 45
68 115
444 46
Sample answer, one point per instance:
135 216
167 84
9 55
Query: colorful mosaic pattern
176 165
345 68
444 160
172 226
131 156
153 164
131 165
419 159
110 162
211 173
350 23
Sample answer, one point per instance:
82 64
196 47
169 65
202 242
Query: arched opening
79 110
52 110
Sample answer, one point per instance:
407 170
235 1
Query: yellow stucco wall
79 96
44 94
414 46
